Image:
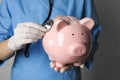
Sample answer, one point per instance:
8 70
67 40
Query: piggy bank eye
73 34
82 33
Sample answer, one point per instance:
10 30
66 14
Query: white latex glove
25 33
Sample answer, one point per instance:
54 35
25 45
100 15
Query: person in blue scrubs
19 25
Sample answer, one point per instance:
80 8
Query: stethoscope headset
46 21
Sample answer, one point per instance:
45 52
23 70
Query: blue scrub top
36 67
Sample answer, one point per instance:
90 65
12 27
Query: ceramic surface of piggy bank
68 40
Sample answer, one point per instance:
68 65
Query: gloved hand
64 68
25 33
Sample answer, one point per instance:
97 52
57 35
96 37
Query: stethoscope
46 22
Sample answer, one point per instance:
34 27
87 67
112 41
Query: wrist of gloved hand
14 44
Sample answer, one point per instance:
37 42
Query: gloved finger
36 26
29 27
26 41
36 31
57 69
63 69
52 64
82 66
77 64
31 36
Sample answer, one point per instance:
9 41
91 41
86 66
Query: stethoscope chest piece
48 24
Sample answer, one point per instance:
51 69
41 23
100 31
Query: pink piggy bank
68 40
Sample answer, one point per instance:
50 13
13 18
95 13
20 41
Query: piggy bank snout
79 50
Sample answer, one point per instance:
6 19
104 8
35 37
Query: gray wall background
106 65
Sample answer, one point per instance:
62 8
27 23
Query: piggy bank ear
88 22
61 25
